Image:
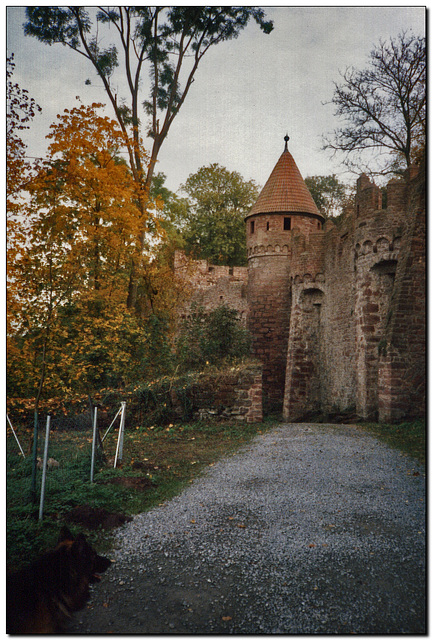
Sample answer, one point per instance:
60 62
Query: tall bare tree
383 106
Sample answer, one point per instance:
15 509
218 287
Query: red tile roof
285 190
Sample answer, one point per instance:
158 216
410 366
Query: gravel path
308 529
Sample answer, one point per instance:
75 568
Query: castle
336 313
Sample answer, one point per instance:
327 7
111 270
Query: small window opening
252 226
319 225
268 226
287 224
210 269
231 271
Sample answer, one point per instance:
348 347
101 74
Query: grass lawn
409 437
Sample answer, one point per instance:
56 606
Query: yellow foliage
71 252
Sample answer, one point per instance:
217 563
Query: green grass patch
409 437
158 462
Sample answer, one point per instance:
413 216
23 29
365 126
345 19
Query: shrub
211 338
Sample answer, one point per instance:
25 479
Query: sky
248 93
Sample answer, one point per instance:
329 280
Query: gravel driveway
308 529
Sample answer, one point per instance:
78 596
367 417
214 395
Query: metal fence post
93 445
44 467
119 449
34 461
16 437
122 428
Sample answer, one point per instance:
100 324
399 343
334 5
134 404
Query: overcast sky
247 94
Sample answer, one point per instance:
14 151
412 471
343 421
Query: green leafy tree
169 42
173 212
208 338
218 202
384 107
330 194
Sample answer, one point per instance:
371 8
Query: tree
171 41
21 109
211 338
384 107
173 213
218 202
329 194
69 278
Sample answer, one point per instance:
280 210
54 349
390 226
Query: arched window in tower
252 226
287 224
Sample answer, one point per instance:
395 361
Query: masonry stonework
211 285
233 394
337 314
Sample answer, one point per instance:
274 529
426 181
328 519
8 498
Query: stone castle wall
210 286
336 313
357 331
402 363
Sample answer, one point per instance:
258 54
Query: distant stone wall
210 285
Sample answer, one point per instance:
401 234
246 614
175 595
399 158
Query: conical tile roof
285 191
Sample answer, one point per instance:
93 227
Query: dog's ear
65 534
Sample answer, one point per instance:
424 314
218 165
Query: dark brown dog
41 597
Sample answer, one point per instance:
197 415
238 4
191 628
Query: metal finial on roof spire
286 138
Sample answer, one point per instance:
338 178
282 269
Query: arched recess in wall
374 307
310 298
384 275
311 301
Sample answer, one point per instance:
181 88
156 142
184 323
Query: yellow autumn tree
70 278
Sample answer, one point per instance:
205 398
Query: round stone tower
284 208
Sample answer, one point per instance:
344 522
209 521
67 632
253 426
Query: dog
43 596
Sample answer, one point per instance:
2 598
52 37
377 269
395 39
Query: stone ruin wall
305 362
402 364
339 312
269 300
338 385
377 239
270 247
210 285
